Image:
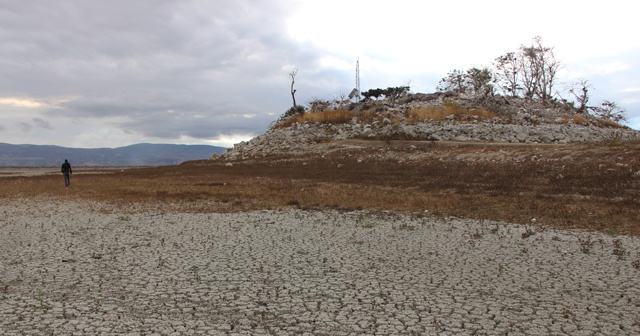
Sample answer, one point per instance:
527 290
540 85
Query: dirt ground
593 186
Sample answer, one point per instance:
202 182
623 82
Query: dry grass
588 187
436 113
577 119
581 120
325 117
439 113
609 123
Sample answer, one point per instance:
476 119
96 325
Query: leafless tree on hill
580 91
293 74
508 73
609 110
539 71
530 73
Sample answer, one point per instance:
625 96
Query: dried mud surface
89 268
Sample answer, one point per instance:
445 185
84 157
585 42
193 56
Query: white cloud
21 102
610 68
229 140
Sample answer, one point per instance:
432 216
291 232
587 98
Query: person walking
66 171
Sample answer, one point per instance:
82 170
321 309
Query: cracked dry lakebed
72 268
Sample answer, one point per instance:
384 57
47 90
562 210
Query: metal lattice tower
356 90
355 93
358 80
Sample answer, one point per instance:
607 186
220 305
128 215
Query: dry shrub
439 113
325 117
580 120
609 123
436 113
573 119
368 116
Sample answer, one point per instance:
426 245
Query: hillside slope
434 118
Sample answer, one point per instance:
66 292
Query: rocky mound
516 122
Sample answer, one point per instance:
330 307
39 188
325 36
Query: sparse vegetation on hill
521 86
412 115
324 117
448 108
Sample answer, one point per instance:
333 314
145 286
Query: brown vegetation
594 187
576 119
414 115
439 113
325 117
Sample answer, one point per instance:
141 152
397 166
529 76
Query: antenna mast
358 85
355 93
358 80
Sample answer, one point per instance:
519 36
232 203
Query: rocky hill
515 121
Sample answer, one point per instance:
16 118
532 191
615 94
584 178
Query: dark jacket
66 168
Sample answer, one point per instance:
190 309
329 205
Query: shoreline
38 171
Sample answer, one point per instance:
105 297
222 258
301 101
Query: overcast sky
97 73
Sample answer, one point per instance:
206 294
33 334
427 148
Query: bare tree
474 81
540 69
528 74
609 110
293 74
508 73
531 73
479 81
580 91
455 81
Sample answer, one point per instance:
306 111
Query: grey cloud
115 31
92 47
37 122
41 123
24 127
177 125
169 68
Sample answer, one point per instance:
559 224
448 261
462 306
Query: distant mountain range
133 155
